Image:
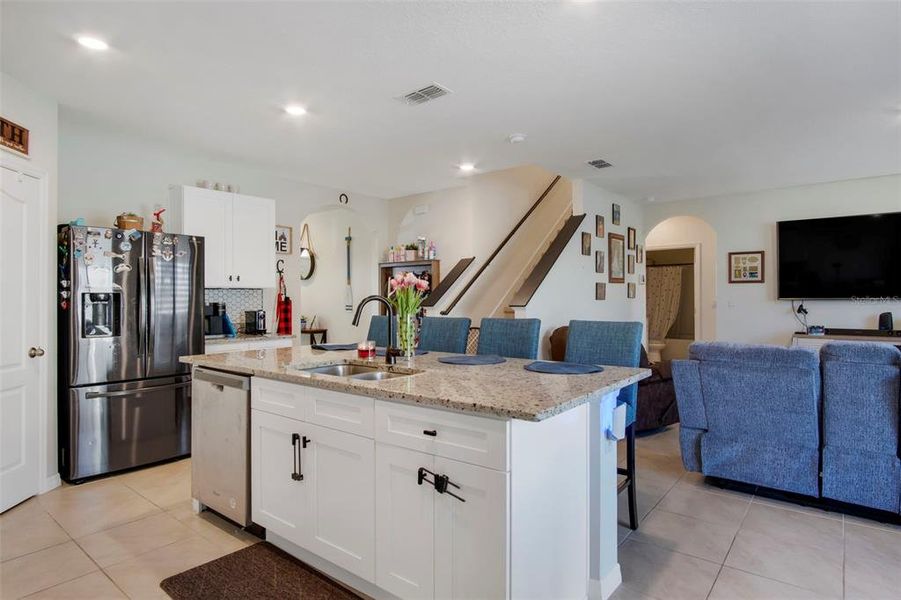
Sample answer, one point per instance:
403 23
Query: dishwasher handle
221 378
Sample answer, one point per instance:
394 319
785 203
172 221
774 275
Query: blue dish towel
331 347
468 359
562 368
379 351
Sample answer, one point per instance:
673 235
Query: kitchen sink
342 370
361 372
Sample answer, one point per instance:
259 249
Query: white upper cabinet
239 232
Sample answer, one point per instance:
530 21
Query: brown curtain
664 289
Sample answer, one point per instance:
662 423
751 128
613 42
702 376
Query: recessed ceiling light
467 167
92 42
295 110
516 138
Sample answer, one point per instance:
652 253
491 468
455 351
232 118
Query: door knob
35 352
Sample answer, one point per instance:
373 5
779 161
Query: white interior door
21 237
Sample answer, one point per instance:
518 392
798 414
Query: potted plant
410 251
405 293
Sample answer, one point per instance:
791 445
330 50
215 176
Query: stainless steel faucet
391 353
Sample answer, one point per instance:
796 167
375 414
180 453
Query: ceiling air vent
433 91
599 163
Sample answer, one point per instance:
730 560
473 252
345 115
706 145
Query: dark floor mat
259 571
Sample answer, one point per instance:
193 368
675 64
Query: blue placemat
381 352
334 346
562 368
468 359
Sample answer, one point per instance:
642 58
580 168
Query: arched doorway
682 247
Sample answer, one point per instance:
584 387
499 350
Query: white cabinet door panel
208 213
471 560
405 521
279 398
345 412
253 242
278 500
339 470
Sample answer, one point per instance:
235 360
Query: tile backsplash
236 302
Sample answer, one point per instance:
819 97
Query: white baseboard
50 483
603 589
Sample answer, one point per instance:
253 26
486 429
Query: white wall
104 172
568 292
749 312
38 114
471 220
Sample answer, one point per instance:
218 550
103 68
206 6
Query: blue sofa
754 415
861 463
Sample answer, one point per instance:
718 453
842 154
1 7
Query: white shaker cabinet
239 233
404 526
338 470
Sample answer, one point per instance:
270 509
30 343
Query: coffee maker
214 318
255 322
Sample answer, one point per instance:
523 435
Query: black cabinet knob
431 432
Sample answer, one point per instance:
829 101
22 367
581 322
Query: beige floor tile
624 592
650 490
120 543
27 528
165 485
733 584
871 523
665 441
663 574
872 562
686 535
43 569
94 586
665 467
225 535
706 506
622 533
140 577
694 480
95 506
807 510
794 547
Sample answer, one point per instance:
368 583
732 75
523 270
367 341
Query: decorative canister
129 221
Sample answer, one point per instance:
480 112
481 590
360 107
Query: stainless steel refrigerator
130 303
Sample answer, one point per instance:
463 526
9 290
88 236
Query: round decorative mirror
307 258
307 263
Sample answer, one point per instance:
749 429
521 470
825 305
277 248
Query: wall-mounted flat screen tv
840 257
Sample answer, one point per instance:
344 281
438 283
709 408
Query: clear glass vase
406 334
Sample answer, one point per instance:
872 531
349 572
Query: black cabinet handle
239 278
439 482
229 277
431 432
297 475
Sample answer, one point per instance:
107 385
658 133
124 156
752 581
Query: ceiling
684 99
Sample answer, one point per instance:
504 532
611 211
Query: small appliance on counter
214 318
255 322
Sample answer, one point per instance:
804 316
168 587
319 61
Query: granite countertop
504 391
243 337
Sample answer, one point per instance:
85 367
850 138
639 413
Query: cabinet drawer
475 440
344 412
279 398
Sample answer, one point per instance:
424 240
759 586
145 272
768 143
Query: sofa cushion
861 352
782 465
861 477
755 355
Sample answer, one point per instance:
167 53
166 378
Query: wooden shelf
388 269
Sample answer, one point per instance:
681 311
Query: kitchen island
428 480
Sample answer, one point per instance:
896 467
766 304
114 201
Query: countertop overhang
504 390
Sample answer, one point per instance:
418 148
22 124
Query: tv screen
840 257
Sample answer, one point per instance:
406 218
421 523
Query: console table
816 341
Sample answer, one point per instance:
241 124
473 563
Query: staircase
508 278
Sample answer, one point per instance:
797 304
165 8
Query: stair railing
500 247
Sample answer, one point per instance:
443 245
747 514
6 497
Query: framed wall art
599 261
283 239
631 265
639 254
746 267
599 225
586 243
616 214
630 238
630 290
616 254
600 291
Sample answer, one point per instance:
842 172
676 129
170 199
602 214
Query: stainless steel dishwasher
220 444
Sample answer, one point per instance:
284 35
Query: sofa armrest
687 379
